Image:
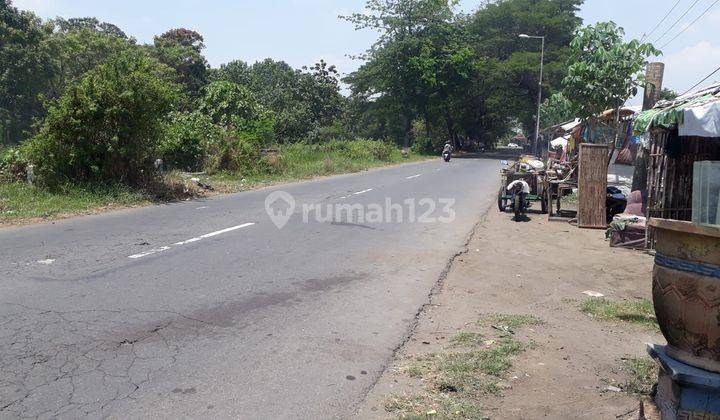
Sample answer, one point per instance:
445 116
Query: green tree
181 49
668 94
555 110
78 45
226 103
320 90
88 23
105 128
301 101
389 71
513 63
469 74
25 69
236 71
604 69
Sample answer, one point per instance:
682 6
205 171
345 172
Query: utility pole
654 77
654 80
539 103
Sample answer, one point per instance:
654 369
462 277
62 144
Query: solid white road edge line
189 241
363 191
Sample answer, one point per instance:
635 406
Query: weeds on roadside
455 380
465 338
511 321
636 311
21 201
643 375
427 407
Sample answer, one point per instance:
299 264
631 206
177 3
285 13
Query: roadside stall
679 133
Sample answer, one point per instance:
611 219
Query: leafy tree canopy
26 68
181 49
555 110
604 69
87 23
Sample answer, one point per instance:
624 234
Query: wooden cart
532 177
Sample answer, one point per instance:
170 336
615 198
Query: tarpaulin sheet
643 121
701 121
675 117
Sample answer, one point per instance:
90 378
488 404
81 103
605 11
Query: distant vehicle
514 146
446 156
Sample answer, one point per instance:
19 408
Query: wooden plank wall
670 178
592 186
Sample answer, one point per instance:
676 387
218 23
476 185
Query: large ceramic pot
686 291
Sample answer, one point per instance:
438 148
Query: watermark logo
280 206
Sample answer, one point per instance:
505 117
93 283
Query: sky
301 32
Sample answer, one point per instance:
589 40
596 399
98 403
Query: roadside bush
106 127
13 165
362 149
234 154
187 139
381 150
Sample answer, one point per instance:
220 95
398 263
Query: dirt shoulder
510 334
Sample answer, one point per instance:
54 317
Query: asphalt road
206 308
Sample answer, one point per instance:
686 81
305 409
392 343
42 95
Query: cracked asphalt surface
253 323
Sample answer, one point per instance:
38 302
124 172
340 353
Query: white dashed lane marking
414 176
363 191
150 252
189 241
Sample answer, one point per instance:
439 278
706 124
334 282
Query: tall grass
19 200
303 161
22 201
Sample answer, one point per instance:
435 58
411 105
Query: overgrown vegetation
636 311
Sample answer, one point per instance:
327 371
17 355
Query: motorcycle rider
448 148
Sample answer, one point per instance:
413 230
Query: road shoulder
510 334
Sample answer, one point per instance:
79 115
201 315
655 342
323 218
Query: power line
677 21
647 35
701 82
691 23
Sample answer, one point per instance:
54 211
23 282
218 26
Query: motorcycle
615 203
446 156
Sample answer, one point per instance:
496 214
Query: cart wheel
544 204
502 202
517 206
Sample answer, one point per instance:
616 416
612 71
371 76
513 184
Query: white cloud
690 65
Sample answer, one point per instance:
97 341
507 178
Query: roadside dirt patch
519 287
